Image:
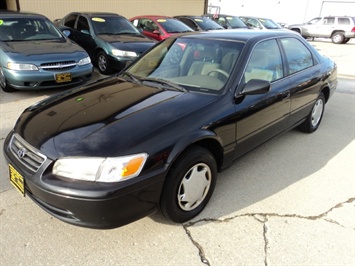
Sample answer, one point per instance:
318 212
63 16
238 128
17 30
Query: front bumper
89 204
41 79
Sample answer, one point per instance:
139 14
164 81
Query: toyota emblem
21 152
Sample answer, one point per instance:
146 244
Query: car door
84 37
151 29
304 75
260 117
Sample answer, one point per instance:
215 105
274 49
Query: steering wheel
221 71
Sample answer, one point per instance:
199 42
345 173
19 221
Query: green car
35 55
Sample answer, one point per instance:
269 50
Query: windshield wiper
165 82
131 76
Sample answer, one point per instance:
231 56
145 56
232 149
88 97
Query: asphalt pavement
289 202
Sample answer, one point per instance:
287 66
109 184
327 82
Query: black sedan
110 39
156 135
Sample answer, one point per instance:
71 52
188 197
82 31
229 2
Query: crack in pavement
199 247
262 218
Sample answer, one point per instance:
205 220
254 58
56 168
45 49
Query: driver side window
265 62
83 24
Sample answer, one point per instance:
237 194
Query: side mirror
66 33
256 86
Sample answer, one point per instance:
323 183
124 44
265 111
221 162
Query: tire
315 116
346 40
103 63
3 83
189 185
338 37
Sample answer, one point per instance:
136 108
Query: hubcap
102 63
337 38
194 187
2 79
317 112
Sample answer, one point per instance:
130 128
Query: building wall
54 9
11 4
289 11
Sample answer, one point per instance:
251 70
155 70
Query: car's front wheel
3 83
315 116
103 64
338 37
189 185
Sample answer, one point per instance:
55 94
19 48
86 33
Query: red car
159 27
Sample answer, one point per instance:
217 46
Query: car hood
134 43
110 113
38 50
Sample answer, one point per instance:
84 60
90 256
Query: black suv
339 28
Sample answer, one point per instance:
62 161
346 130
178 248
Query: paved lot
289 202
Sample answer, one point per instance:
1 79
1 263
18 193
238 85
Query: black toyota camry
154 136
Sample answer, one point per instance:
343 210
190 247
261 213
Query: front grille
27 155
58 66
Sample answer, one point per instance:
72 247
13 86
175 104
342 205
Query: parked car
260 23
110 39
199 23
159 27
227 21
155 135
340 29
35 55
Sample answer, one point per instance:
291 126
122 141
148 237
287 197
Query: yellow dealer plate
17 180
63 77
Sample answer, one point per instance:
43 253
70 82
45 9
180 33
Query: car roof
19 14
243 35
188 16
220 15
92 14
151 16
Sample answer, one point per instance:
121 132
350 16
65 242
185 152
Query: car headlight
121 53
84 61
112 169
21 66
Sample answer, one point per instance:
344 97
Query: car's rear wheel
338 37
103 63
346 40
189 185
3 83
315 116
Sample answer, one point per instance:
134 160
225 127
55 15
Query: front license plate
62 77
17 180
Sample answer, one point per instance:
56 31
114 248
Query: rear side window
329 21
343 21
70 21
297 55
189 23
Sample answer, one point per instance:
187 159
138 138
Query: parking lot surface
289 202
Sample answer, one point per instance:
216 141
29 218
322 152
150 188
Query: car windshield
113 25
269 24
207 24
173 25
25 29
236 22
197 65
